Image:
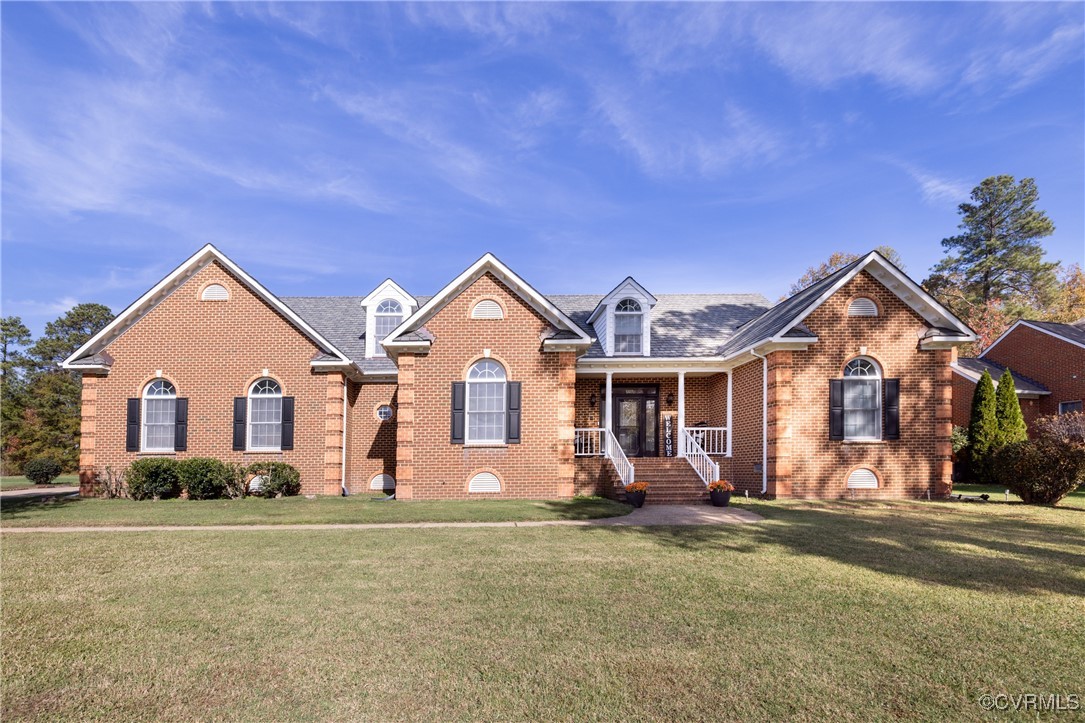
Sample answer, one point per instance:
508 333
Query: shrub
204 478
959 440
1067 427
237 484
42 471
279 479
982 428
154 478
1041 471
112 484
1011 423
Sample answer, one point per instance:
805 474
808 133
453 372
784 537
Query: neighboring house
491 389
1047 361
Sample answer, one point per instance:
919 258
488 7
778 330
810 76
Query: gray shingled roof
100 359
1022 384
1073 332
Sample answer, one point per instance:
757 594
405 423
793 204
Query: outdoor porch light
670 399
592 400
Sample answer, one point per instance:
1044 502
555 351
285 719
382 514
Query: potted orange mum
720 492
636 492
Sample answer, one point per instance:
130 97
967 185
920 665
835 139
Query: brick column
943 422
88 477
405 428
566 402
779 424
333 434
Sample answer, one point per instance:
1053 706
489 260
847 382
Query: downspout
764 421
343 469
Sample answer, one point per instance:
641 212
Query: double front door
635 419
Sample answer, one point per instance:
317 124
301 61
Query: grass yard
294 510
998 494
22 483
848 611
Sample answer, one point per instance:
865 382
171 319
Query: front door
636 420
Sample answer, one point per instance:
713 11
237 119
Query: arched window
486 402
265 415
388 316
862 399
159 416
628 327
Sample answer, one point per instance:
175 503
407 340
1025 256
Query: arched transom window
159 416
628 327
265 415
388 316
862 399
486 402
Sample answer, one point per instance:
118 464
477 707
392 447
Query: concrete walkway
58 491
644 517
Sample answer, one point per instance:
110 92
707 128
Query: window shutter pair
180 425
459 412
890 406
241 421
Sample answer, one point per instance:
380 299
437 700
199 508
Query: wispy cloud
934 189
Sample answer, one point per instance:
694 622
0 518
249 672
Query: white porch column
729 375
681 414
608 407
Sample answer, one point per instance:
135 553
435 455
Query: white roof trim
1022 322
974 378
488 263
123 321
388 288
618 293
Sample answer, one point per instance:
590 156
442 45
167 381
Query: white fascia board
776 343
566 344
488 262
389 288
621 291
639 364
190 266
943 342
1022 322
84 367
974 378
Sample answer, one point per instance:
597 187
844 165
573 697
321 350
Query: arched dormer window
628 327
388 315
159 416
265 416
862 399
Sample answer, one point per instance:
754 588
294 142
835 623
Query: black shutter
459 394
241 415
131 438
180 426
836 409
892 409
512 426
287 441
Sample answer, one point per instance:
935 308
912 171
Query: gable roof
1070 333
487 264
780 321
83 357
972 369
619 290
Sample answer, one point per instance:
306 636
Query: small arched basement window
215 292
862 306
862 479
484 482
487 309
383 482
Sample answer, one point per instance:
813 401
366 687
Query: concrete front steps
671 481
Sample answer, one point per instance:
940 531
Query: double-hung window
486 403
265 416
387 317
628 327
159 416
862 400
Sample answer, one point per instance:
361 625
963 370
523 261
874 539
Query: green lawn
22 483
294 510
845 611
998 494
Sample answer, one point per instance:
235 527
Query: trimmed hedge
279 479
154 478
204 478
42 471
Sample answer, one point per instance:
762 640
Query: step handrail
614 452
702 464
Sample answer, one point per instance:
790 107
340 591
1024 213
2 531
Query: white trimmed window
487 309
387 317
862 479
862 306
484 482
486 403
862 400
385 412
1069 407
159 416
628 327
215 292
265 416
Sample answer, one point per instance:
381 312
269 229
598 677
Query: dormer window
628 327
389 315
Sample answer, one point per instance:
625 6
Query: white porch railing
702 464
713 440
600 442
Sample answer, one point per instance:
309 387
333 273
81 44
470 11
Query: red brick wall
920 459
541 466
1058 365
371 445
746 438
212 351
964 388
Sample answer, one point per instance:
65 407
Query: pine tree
1011 423
982 427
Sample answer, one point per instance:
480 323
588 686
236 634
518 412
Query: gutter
764 421
343 468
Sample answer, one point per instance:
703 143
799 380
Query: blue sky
697 147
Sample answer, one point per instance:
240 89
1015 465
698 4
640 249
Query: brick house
1047 361
490 389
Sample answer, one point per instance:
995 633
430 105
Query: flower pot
720 498
635 498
